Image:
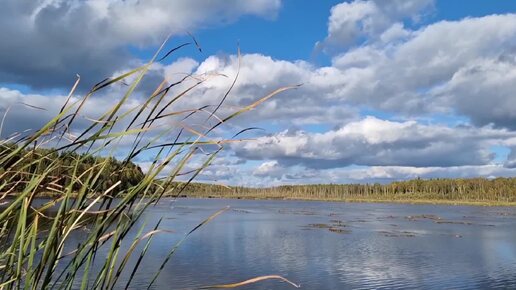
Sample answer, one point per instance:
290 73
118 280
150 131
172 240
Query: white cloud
269 168
375 142
313 103
18 114
351 21
463 68
45 43
391 173
383 174
26 113
511 159
458 67
484 90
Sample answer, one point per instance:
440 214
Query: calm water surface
323 245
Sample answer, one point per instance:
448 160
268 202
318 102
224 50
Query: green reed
34 245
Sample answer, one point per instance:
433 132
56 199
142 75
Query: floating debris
336 226
423 216
338 223
297 212
339 231
454 222
318 226
398 234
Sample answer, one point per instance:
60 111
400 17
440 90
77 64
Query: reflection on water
332 245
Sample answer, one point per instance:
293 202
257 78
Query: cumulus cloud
386 174
269 168
456 67
45 43
431 70
371 174
390 173
511 159
462 68
375 142
484 90
314 102
351 21
26 113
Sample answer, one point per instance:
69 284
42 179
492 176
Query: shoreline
371 200
484 203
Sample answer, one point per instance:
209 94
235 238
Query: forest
18 171
502 190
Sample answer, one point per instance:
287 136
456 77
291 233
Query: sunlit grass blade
251 281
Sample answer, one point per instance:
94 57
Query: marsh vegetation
75 164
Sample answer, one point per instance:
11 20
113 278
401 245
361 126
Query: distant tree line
64 169
461 189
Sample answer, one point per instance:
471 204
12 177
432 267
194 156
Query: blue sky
391 89
304 22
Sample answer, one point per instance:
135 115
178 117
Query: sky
391 89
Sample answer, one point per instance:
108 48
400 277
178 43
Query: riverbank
368 200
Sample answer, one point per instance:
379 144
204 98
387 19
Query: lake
326 245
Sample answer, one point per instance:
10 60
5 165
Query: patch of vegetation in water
334 226
397 234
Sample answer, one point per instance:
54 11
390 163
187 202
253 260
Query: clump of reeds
35 250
